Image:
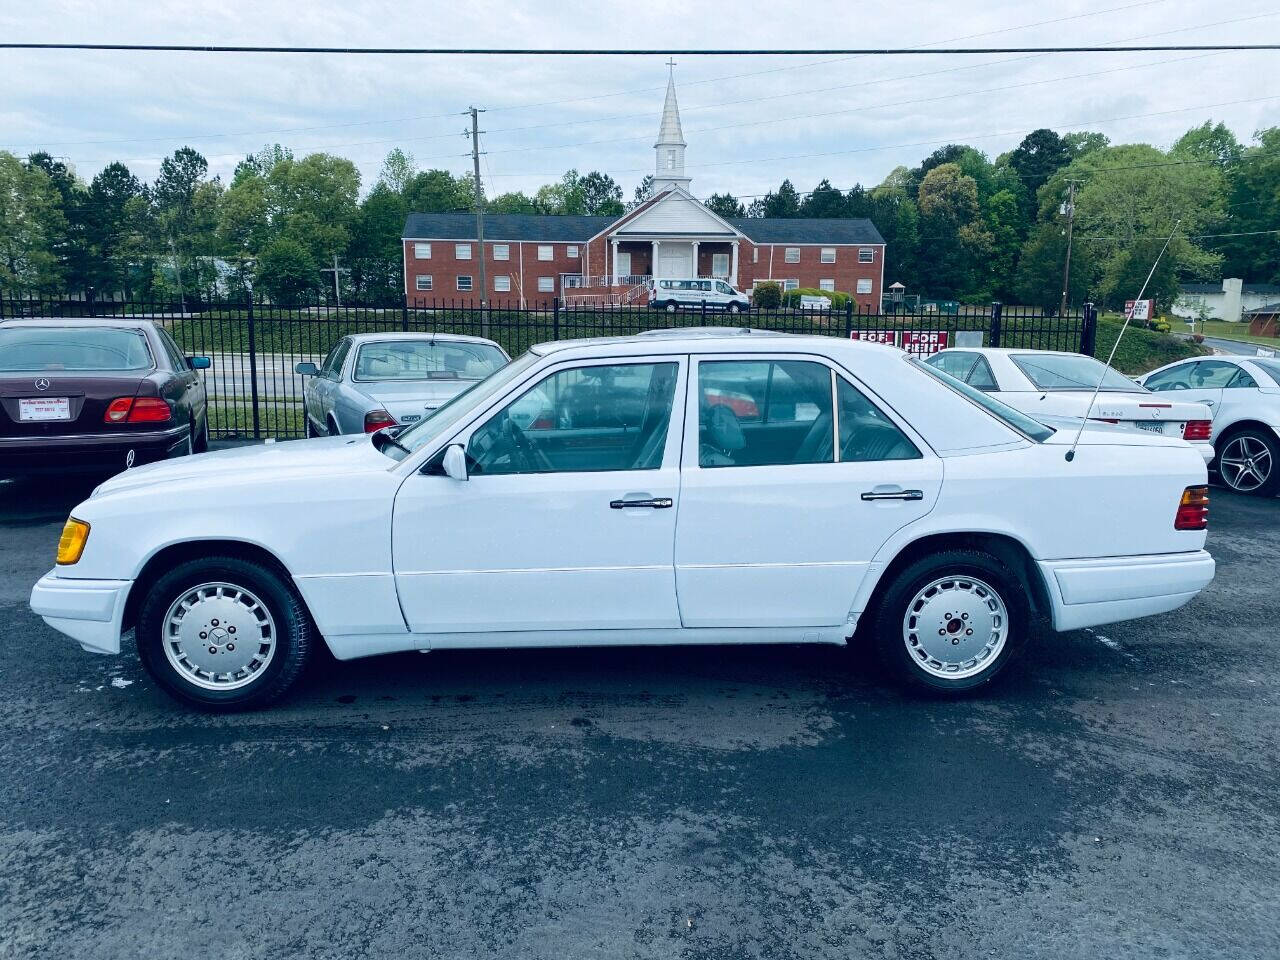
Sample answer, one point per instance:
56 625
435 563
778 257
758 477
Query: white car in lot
675 487
1052 383
1244 395
374 380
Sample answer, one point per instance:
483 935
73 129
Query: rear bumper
90 452
1206 451
88 611
1087 593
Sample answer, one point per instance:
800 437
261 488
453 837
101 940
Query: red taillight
1193 510
139 410
377 419
1197 430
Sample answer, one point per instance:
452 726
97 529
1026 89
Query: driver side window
585 419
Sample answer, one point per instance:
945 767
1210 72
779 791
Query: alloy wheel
1245 464
955 627
219 636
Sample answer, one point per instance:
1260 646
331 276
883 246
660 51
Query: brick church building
529 259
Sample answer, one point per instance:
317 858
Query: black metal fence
254 391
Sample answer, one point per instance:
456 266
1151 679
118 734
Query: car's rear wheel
223 633
671 306
1249 462
332 425
734 308
951 621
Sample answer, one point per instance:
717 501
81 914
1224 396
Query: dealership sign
1139 309
920 342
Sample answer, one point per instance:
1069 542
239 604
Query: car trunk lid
52 404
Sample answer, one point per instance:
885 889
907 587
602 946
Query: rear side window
755 413
1211 374
32 349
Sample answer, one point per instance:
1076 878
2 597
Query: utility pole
335 270
1069 208
475 160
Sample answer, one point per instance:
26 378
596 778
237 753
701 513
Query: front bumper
1087 593
88 452
88 611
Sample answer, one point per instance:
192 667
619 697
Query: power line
638 52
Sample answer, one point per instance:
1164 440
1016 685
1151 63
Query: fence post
1089 330
253 371
555 318
704 313
404 315
848 318
997 308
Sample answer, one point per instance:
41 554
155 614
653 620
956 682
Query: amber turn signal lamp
75 534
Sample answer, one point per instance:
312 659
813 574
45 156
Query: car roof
710 339
1006 351
427 336
130 323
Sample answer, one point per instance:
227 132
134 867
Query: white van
671 294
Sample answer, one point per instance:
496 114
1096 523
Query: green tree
437 191
1004 223
286 269
375 254
66 241
957 240
1038 281
30 221
725 205
1040 155
398 169
824 201
644 190
1253 207
513 202
784 203
1080 142
601 196
111 213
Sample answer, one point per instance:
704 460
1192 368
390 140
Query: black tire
1238 480
671 306
308 431
292 635
734 308
201 442
332 426
890 627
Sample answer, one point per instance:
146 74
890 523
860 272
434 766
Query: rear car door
567 518
778 520
1200 382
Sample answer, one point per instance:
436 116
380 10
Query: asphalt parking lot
1116 796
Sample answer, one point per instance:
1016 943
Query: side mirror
455 462
198 363
306 369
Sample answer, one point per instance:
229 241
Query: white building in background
1228 300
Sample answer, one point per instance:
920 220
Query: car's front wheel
734 308
223 633
951 621
671 306
1249 462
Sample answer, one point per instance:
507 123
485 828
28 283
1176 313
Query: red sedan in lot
96 395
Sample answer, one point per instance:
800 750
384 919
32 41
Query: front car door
778 520
567 519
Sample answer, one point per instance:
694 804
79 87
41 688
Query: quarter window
422 251
1211 374
1242 379
792 255
586 419
866 433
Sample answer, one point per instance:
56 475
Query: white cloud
879 112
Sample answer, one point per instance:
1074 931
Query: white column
653 264
614 272
695 258
733 267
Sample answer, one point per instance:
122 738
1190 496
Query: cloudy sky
749 121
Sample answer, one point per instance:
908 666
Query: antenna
1071 454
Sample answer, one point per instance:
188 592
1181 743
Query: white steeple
670 146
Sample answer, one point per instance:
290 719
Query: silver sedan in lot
374 380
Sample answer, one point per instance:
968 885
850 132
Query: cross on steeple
671 63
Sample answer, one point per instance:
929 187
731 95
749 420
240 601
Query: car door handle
1208 403
894 495
657 503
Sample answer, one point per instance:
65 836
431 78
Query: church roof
550 228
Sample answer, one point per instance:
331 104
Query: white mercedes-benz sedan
712 486
1053 383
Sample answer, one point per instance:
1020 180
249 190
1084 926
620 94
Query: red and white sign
876 336
919 342
1139 309
924 343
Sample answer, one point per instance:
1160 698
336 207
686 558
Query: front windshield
448 415
1034 429
1061 371
426 360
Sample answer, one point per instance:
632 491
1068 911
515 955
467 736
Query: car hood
324 456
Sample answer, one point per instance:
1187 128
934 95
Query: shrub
767 296
838 300
1198 337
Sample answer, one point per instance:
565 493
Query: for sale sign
1139 309
924 343
876 336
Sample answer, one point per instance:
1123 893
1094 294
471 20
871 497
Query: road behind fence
254 391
